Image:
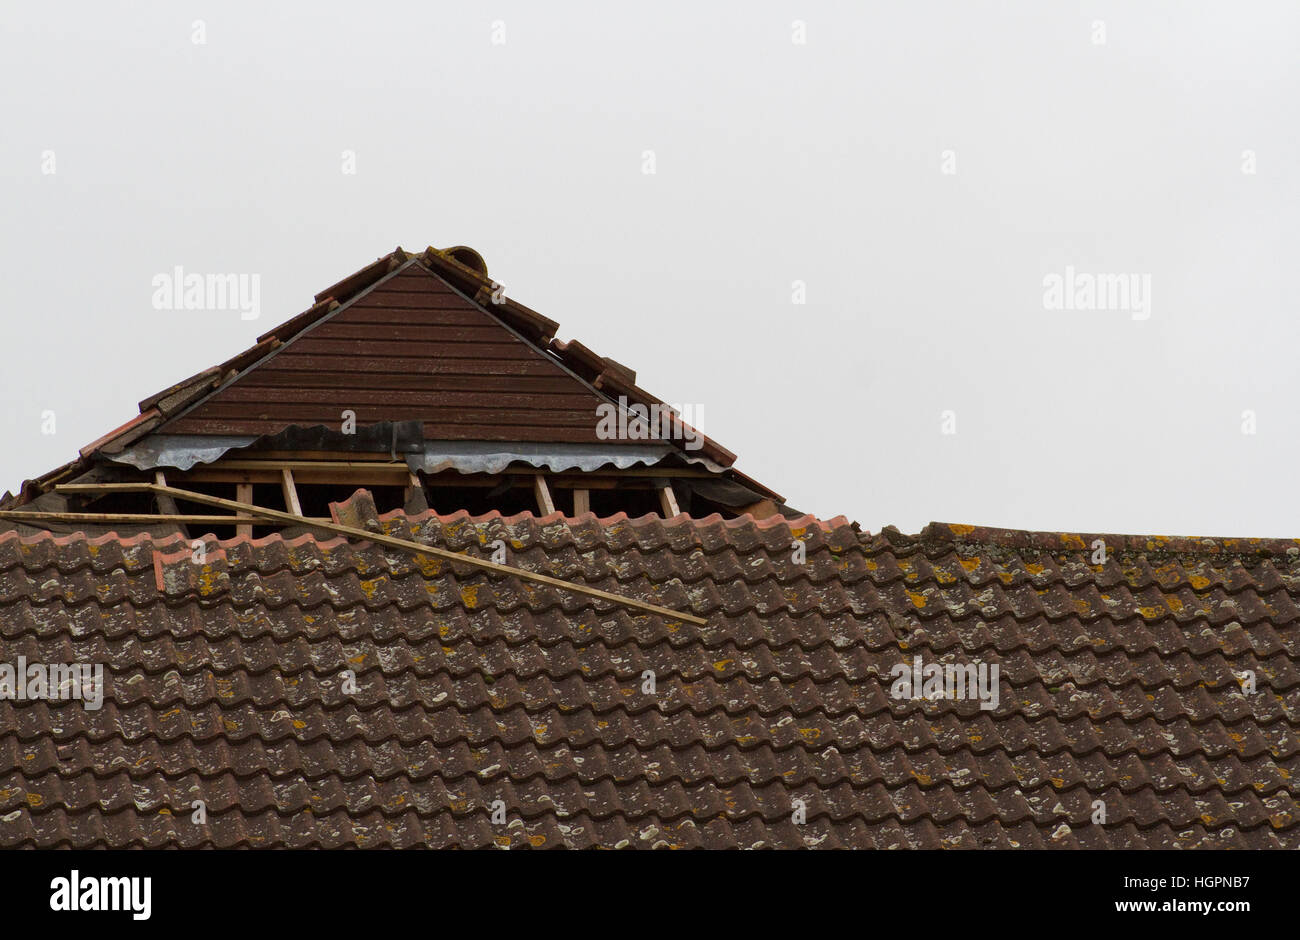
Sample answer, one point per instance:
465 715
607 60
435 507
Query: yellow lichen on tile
208 581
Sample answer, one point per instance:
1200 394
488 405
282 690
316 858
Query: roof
409 348
427 336
1117 684
422 347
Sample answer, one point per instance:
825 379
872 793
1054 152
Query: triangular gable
428 357
411 347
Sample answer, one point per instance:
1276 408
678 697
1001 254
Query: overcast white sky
776 162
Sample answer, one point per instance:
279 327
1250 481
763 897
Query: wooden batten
668 501
290 492
545 505
166 505
338 479
244 494
304 472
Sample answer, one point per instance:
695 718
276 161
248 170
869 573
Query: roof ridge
461 515
166 542
944 532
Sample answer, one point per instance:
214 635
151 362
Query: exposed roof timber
668 501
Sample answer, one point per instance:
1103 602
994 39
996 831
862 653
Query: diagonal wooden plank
380 539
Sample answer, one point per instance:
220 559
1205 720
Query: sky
1018 264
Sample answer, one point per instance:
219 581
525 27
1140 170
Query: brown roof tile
225 685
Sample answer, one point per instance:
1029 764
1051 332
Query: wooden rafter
244 495
166 504
290 491
668 501
545 505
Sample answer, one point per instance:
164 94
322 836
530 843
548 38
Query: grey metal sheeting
493 457
181 451
184 451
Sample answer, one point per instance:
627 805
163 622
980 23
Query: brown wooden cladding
411 349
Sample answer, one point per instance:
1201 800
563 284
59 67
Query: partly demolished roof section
408 348
427 336
422 358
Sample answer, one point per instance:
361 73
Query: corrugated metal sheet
483 457
185 451
181 451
